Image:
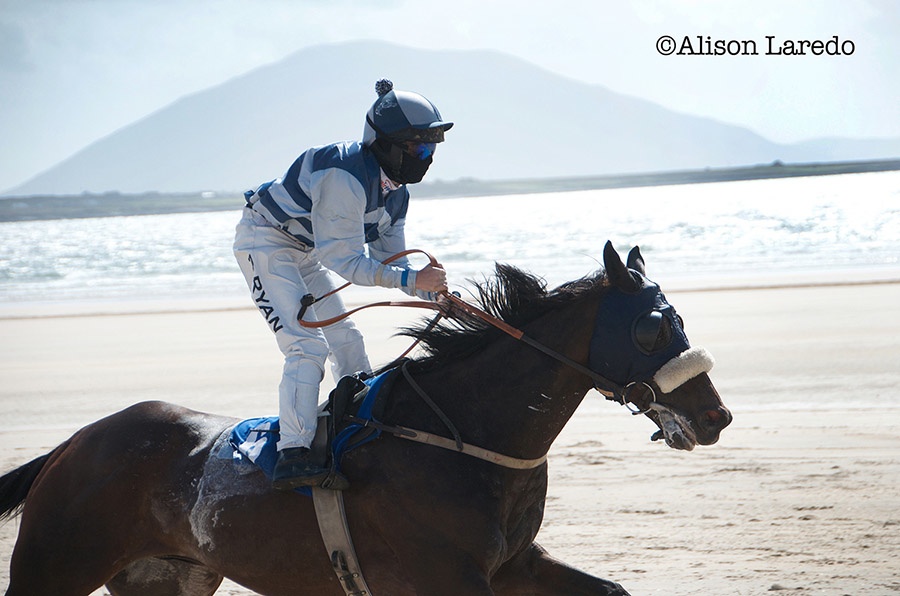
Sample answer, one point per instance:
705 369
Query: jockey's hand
445 303
432 278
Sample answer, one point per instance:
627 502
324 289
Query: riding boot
294 469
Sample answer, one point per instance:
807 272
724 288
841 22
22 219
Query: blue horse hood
614 349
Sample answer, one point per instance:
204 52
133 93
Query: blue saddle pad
256 439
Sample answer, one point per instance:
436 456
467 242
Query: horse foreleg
535 573
436 572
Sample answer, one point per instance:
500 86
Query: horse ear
636 261
616 270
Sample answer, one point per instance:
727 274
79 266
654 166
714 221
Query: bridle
444 305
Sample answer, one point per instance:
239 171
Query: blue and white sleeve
391 242
338 210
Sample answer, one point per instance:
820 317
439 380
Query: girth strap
332 520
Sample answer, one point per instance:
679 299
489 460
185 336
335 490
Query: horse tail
14 486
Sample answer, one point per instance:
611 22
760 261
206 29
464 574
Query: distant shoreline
112 204
776 169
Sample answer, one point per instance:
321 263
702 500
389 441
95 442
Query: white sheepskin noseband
683 368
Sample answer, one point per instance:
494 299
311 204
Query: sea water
812 229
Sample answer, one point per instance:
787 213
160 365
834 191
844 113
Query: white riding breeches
279 272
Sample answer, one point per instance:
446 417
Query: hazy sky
73 71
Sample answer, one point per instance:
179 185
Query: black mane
512 295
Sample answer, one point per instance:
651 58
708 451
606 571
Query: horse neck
511 397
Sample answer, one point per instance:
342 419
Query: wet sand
799 497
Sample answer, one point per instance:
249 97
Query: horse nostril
718 418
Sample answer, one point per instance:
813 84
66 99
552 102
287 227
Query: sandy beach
799 497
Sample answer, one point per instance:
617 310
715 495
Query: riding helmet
403 116
402 130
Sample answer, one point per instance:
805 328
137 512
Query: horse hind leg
164 576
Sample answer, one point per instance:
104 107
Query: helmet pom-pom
383 87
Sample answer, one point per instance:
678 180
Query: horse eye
652 331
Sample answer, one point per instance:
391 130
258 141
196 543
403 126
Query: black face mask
400 166
412 169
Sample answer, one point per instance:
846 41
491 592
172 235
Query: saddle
351 419
347 421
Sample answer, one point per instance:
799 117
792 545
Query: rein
308 300
608 388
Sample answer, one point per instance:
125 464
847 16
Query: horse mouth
673 427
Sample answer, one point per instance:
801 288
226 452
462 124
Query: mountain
513 120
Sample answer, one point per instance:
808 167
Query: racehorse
143 502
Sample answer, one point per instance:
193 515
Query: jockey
334 202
